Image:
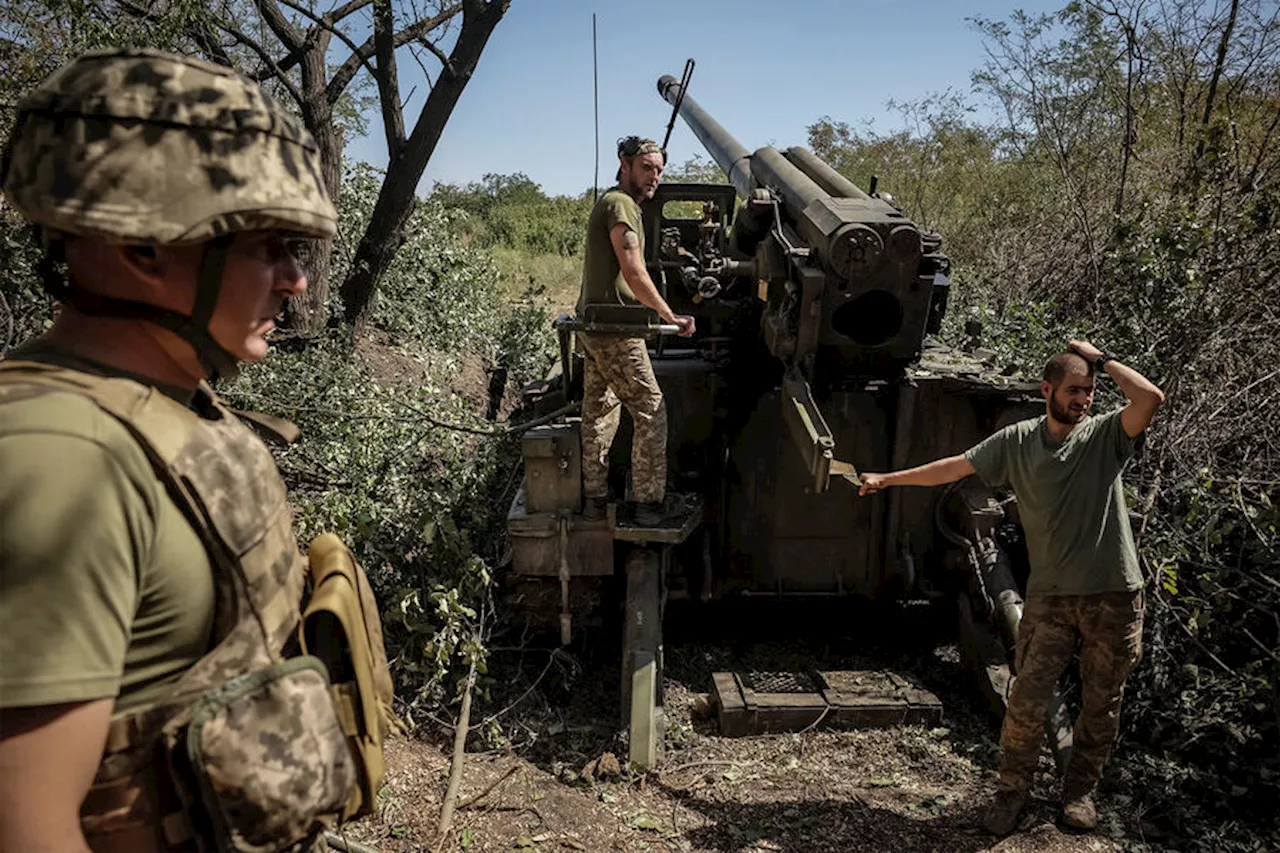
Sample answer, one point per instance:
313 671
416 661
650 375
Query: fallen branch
447 808
471 801
1266 651
719 763
342 845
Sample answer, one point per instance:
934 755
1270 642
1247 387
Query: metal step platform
752 703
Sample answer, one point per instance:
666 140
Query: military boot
657 514
1001 817
1078 811
595 509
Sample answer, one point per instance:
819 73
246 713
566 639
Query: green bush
511 211
25 309
415 501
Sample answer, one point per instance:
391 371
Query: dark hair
630 146
1063 363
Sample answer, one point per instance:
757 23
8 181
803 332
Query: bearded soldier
618 371
150 583
1085 589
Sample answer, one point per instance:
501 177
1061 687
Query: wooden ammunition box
553 468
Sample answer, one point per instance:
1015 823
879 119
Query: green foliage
25 310
414 500
1127 200
696 170
511 211
554 279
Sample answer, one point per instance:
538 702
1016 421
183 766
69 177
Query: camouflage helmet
145 147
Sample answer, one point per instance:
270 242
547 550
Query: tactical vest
252 749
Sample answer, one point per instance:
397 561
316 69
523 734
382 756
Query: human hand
1085 350
871 483
685 322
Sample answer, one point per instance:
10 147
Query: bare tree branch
283 28
425 73
199 34
335 15
395 201
1218 66
266 59
324 23
342 77
440 55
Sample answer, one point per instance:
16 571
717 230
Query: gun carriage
817 307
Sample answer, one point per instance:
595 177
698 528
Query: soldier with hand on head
618 371
152 694
1085 587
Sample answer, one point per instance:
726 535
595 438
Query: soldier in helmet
147 555
617 370
1085 588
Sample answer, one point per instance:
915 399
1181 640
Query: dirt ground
903 789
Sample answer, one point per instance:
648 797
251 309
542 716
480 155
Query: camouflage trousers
618 373
1107 630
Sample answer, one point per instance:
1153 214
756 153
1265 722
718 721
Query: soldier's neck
132 346
632 191
1058 431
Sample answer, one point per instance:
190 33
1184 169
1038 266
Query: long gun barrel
766 167
729 154
870 284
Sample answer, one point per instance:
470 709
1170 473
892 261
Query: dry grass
552 280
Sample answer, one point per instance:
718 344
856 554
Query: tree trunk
310 313
395 202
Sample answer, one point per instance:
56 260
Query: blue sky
765 68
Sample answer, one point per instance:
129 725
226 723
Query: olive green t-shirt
1070 500
602 280
105 589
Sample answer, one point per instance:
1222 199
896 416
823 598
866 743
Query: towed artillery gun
817 305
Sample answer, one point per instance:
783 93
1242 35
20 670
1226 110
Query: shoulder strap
161 426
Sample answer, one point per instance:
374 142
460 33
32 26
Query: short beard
1064 416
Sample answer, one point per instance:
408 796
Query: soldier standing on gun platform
617 368
1085 587
150 579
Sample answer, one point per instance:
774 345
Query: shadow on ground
826 825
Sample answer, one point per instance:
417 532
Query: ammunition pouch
256 765
268 758
340 626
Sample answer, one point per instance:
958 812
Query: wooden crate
763 703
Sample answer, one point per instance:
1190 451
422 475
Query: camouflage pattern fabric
634 146
618 372
272 756
222 475
145 147
1107 628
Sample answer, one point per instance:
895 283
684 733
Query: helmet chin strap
216 361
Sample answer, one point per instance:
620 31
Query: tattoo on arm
630 241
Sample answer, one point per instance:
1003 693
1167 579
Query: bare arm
626 245
1141 393
49 755
935 473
